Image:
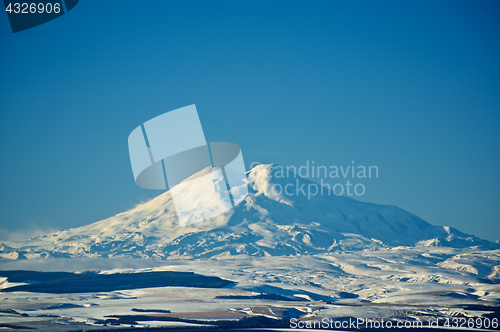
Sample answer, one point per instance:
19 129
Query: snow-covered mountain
265 223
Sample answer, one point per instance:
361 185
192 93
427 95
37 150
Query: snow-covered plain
290 256
373 283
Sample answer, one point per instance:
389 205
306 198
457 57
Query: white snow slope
263 224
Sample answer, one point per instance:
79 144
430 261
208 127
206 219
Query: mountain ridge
265 223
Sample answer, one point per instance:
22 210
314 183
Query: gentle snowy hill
264 224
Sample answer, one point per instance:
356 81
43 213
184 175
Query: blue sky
411 87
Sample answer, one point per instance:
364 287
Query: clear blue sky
412 87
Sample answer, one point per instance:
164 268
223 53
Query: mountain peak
271 220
